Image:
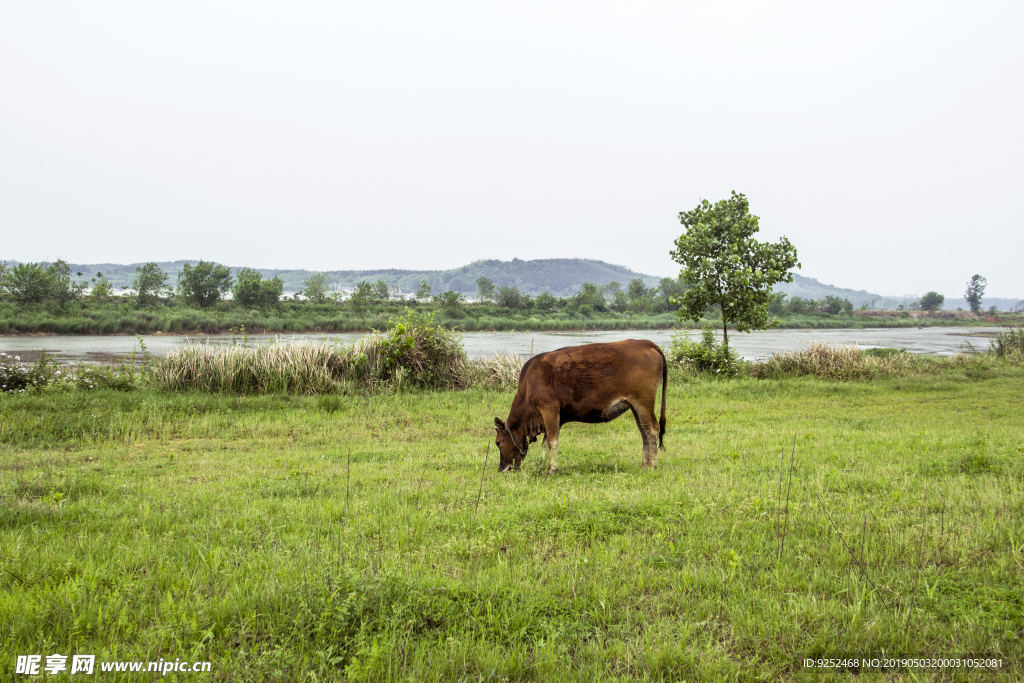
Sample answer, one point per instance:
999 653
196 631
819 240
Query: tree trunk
725 335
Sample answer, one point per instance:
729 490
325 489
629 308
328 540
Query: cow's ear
498 424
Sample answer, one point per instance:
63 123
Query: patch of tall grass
291 367
838 362
303 367
500 372
415 352
830 361
1009 344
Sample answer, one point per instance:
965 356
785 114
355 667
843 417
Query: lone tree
100 291
510 297
361 295
149 283
315 288
423 291
204 284
546 301
381 290
450 300
975 290
486 288
723 264
62 289
253 291
27 283
636 289
617 299
932 301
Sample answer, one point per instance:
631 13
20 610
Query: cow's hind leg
648 426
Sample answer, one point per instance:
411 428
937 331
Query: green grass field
338 538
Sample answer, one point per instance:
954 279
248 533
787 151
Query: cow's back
590 377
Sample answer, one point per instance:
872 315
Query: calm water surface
943 341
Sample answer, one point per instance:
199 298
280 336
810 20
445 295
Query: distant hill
561 277
810 288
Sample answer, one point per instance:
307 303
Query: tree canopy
361 295
381 290
485 286
975 290
723 264
315 288
252 290
204 284
932 301
27 283
149 283
450 300
510 297
35 283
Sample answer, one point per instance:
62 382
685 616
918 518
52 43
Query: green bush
416 351
706 356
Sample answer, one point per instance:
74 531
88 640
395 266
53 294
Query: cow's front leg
551 437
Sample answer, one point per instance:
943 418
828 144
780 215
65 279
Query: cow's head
509 455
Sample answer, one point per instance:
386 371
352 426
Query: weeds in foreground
1009 344
47 373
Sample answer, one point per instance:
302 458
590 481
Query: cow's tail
664 400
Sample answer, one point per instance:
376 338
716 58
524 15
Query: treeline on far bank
38 298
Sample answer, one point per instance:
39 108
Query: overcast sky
884 139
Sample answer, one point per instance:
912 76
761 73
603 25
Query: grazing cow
589 383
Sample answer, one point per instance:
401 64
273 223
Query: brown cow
589 383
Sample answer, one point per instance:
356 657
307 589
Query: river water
943 341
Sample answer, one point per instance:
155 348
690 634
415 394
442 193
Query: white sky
884 139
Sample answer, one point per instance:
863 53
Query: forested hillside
561 277
810 288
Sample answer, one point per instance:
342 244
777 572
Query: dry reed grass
1010 345
303 367
500 372
298 367
836 362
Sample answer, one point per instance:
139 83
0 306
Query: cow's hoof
552 470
